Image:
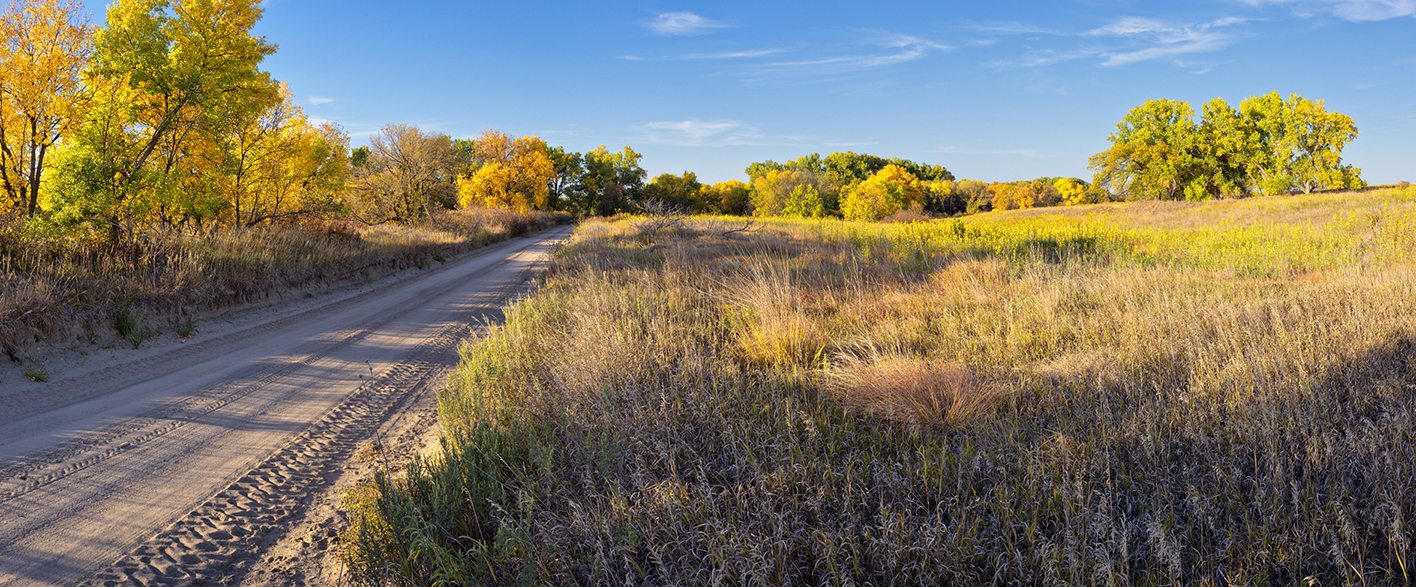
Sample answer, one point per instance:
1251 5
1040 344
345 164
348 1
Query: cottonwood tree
1073 192
840 170
407 175
680 192
44 47
1267 145
1298 144
728 197
279 165
163 74
1151 154
611 181
515 173
796 193
884 193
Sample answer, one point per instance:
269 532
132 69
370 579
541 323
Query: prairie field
1144 393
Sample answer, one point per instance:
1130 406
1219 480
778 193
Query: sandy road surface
172 465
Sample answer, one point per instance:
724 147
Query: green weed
36 374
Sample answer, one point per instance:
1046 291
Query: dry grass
913 390
998 401
59 283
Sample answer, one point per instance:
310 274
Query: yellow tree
728 197
516 173
796 193
165 74
44 47
1013 196
1073 192
279 165
883 193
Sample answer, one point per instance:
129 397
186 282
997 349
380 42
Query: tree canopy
1268 145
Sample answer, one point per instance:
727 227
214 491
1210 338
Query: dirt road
175 464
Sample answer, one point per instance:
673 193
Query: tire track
23 475
222 539
20 404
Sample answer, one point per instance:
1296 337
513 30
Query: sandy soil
219 459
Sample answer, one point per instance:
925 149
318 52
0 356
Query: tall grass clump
998 400
55 281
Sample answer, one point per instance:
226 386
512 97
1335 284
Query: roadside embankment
61 288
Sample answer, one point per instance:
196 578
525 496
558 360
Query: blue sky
993 91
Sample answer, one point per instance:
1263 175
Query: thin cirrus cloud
1164 40
683 23
706 56
1045 57
1352 10
896 49
698 133
1125 41
318 100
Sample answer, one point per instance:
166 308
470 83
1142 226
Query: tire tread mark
222 539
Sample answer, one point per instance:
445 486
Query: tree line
164 117
1268 145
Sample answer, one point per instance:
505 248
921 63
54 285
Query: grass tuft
916 391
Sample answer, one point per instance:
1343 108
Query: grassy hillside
1120 394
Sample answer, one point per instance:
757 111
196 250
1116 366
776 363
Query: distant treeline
859 186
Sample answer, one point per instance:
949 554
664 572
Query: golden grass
913 390
1004 399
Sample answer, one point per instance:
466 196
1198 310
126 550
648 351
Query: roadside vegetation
1147 393
68 288
151 173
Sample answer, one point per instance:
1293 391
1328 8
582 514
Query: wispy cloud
1353 10
706 56
698 133
683 23
894 49
1010 28
1164 40
1045 57
317 100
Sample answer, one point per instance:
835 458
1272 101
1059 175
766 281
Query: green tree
164 74
679 191
611 182
804 202
1150 156
1268 145
569 167
1299 144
